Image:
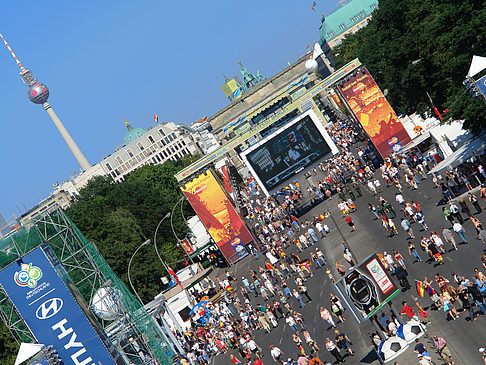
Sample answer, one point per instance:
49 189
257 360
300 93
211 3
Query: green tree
118 218
8 346
417 46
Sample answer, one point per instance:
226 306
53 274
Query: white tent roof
416 141
26 351
478 64
461 155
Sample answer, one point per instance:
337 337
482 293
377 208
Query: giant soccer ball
311 65
411 330
392 347
106 304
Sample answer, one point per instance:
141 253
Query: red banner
218 216
186 246
375 114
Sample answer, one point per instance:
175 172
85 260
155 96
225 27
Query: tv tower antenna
38 93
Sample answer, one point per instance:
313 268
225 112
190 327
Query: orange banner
375 114
218 216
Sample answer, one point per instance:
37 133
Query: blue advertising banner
482 85
50 311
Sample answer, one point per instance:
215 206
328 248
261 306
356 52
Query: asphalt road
464 337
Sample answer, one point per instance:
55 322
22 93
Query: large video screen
289 150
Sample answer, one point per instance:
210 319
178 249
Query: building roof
345 17
132 134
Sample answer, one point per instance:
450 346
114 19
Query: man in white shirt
457 227
277 354
400 200
320 229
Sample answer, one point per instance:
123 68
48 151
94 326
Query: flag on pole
314 4
156 118
308 47
420 288
434 107
172 272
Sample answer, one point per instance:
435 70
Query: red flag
434 107
172 272
314 6
156 118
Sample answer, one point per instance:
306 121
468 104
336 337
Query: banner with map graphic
375 114
218 216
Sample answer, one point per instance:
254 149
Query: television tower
38 94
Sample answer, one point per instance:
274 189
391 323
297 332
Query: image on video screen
288 152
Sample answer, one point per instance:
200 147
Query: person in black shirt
419 346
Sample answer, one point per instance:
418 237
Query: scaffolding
134 334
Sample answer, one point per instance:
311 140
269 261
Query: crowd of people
272 295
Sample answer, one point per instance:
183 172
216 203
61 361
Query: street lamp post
155 241
130 263
173 230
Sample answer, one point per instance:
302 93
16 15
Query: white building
166 141
156 145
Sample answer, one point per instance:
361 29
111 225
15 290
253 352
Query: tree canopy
416 46
118 218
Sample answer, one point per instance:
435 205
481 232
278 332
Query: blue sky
101 59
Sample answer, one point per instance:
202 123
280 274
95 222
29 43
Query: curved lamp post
155 241
172 226
130 263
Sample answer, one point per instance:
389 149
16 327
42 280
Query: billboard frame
366 82
240 248
309 113
357 313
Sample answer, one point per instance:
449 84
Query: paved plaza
464 337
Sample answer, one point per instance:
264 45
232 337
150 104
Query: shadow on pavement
370 357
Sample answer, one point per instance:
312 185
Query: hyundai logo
49 308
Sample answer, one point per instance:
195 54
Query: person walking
303 291
343 342
337 311
447 214
263 320
312 344
474 201
326 315
350 222
320 256
464 207
441 346
297 296
447 233
334 351
399 258
412 250
406 227
298 342
277 354
348 257
340 268
401 274
291 322
455 212
459 229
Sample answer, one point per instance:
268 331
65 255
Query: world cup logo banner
28 275
375 114
52 313
218 216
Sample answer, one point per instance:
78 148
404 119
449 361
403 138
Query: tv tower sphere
38 93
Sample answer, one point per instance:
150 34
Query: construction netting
134 333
